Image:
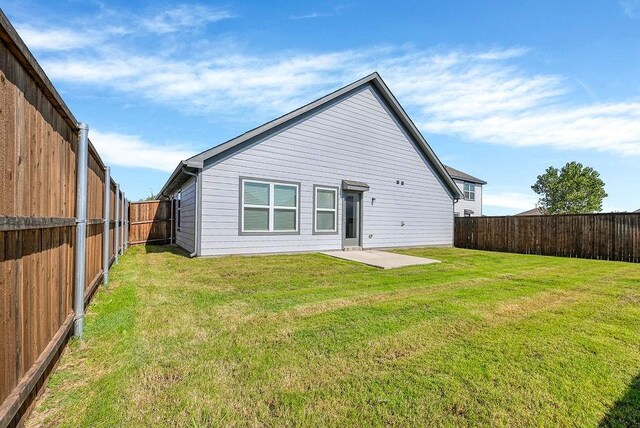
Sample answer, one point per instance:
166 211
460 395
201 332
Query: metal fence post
122 226
107 221
126 232
81 228
116 234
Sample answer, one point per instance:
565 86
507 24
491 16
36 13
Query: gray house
347 171
470 205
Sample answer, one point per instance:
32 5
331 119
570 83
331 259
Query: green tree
574 189
150 197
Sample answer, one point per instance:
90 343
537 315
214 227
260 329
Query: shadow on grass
173 249
626 411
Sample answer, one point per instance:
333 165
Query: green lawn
482 339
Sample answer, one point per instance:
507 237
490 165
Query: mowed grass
482 339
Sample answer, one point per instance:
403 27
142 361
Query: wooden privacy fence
592 236
39 185
151 222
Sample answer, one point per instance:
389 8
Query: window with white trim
469 191
326 209
269 206
178 202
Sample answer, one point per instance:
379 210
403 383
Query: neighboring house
349 170
637 211
470 205
535 211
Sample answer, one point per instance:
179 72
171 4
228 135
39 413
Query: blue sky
500 89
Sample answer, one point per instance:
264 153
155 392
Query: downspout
81 229
196 214
171 211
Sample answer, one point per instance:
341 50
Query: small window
469 191
326 209
269 207
178 202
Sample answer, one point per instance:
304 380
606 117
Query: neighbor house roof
637 211
535 211
459 175
196 162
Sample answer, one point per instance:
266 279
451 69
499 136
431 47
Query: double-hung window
469 191
269 206
325 209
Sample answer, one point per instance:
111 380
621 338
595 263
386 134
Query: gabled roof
456 173
535 211
374 79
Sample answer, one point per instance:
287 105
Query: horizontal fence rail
39 147
614 236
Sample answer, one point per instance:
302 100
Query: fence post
107 221
122 226
125 229
127 232
116 234
81 228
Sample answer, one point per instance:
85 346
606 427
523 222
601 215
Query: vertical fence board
38 146
150 222
614 236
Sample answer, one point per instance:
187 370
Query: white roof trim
374 79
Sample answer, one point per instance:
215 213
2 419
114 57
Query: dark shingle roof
456 173
374 80
535 211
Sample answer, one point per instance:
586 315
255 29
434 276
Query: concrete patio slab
381 259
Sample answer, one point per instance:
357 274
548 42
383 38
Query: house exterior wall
353 138
185 235
463 204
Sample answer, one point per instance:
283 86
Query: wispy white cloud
54 39
501 54
335 11
184 16
510 200
631 8
133 151
482 95
311 15
105 30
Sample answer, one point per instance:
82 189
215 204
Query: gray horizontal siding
356 139
185 237
475 206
